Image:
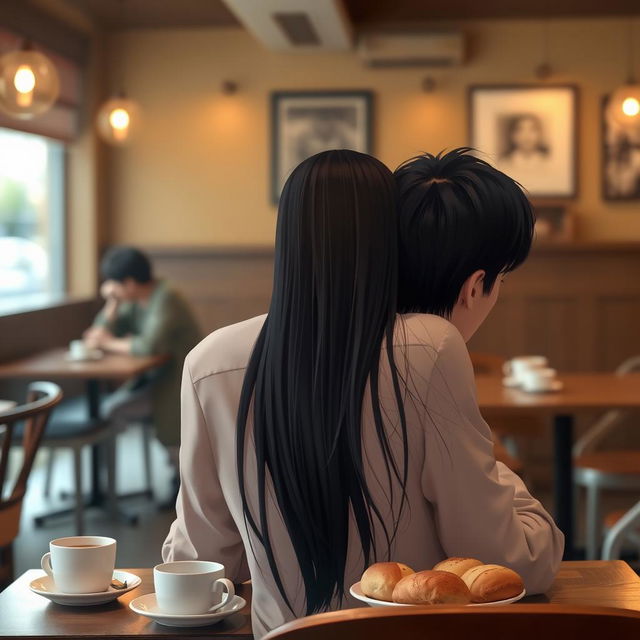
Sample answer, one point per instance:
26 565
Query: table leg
93 398
563 480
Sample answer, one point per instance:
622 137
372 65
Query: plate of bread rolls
455 581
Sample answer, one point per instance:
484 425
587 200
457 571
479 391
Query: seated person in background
144 316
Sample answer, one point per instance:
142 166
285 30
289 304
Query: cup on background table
191 587
81 564
537 380
513 369
78 350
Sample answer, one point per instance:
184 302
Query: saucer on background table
92 354
45 586
511 382
356 592
147 606
554 385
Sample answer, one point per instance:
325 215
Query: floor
138 546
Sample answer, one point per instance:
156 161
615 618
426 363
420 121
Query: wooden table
25 614
53 364
582 392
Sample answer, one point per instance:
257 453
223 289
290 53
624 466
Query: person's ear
472 289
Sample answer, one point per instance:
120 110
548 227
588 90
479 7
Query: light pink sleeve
482 509
204 528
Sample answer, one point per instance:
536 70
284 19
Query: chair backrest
602 427
41 398
521 621
487 364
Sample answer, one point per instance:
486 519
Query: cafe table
582 392
24 614
54 364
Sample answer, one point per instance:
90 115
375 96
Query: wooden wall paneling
617 330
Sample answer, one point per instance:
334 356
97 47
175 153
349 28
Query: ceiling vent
426 49
296 25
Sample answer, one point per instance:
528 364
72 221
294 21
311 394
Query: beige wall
198 174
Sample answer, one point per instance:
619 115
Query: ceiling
133 14
365 14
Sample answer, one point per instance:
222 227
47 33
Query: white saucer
92 354
147 605
356 592
45 586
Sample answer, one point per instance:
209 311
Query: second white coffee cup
190 587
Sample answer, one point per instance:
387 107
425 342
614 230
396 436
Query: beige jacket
461 502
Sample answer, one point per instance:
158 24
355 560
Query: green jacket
165 325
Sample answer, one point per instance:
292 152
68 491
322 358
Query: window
31 217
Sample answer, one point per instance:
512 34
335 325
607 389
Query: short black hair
120 263
457 214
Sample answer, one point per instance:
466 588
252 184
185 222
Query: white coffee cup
81 564
78 349
191 587
541 379
516 366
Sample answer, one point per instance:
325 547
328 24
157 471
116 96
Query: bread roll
491 582
431 587
459 566
379 580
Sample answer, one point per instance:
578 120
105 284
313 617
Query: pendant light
29 83
118 118
624 105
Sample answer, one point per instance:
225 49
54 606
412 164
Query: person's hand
96 337
108 290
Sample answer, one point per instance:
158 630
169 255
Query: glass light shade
29 83
624 105
118 120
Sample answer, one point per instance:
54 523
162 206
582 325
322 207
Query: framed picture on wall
620 158
530 133
304 123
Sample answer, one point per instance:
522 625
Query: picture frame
529 131
306 122
620 166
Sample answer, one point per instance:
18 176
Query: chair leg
110 447
77 470
616 537
146 452
593 521
49 471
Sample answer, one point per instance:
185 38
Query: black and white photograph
306 123
529 132
620 157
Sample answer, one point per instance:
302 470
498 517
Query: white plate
93 354
555 385
147 605
45 586
356 592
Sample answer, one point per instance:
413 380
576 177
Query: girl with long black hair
332 432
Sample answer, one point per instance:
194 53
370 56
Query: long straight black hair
333 305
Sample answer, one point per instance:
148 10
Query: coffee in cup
81 564
190 587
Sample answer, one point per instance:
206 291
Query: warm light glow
25 80
119 119
630 107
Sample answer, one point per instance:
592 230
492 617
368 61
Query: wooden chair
41 398
521 621
597 470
